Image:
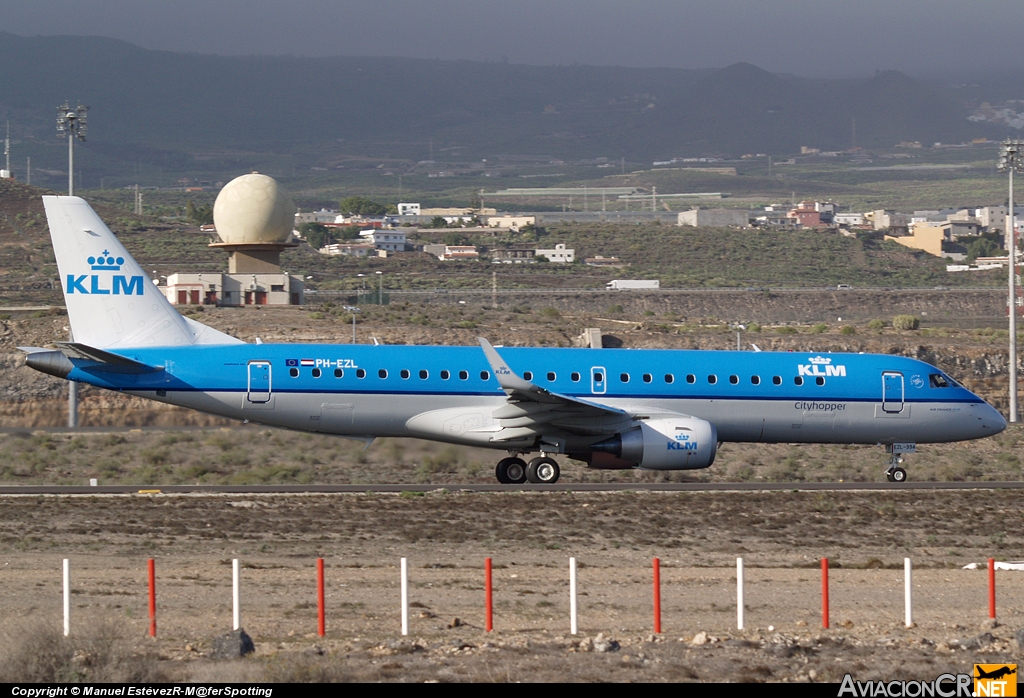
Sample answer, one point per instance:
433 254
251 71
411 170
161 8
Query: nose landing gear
895 473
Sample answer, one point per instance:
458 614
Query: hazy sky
814 38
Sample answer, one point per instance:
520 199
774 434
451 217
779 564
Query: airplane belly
394 413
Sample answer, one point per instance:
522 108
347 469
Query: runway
564 487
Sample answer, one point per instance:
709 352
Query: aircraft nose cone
1001 425
993 422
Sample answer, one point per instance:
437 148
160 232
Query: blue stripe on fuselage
846 377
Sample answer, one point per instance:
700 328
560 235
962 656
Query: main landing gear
515 471
895 473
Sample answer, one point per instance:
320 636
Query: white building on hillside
234 289
387 239
559 254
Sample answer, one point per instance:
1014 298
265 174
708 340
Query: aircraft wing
531 410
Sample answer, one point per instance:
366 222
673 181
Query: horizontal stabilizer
114 363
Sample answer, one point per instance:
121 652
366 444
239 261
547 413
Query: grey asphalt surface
560 487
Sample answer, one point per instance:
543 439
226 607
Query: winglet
507 378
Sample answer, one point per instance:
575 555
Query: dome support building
254 218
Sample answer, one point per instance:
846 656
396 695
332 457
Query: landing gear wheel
543 471
894 473
511 471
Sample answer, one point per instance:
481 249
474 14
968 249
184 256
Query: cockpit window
937 380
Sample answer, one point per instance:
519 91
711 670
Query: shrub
877 324
906 322
848 330
820 328
102 651
753 327
786 329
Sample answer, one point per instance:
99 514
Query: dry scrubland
530 536
255 455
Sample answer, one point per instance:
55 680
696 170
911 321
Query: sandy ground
530 537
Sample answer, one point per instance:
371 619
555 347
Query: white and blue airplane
610 408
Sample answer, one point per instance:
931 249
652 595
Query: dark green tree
316 234
982 247
362 206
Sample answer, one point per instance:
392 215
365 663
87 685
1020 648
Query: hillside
679 257
160 112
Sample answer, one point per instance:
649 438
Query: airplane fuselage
364 390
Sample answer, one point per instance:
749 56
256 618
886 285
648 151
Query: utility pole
28 171
1011 158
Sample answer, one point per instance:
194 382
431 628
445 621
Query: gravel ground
697 536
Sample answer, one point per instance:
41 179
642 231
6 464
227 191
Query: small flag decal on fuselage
291 362
307 362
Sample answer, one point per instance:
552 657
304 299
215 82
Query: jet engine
668 443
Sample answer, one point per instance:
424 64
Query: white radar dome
254 209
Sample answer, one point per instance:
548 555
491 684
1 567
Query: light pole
380 287
74 123
354 310
1011 158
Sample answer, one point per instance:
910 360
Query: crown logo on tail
105 262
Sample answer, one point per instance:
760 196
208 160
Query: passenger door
259 382
892 392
